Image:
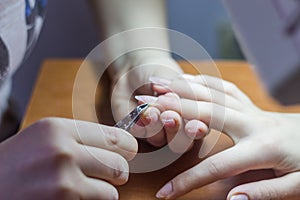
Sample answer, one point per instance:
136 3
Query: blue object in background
199 19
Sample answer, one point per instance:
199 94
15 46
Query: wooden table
52 96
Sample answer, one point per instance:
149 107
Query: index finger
105 137
215 116
230 162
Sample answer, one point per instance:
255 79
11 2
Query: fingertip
238 193
132 149
169 123
196 129
170 119
175 188
152 114
238 197
165 192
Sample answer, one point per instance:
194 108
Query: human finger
283 187
213 115
230 162
196 129
154 131
101 136
95 189
218 84
102 164
178 141
195 91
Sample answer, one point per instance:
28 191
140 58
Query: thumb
121 103
278 188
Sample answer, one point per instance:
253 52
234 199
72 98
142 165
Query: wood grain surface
53 93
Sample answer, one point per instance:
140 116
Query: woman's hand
263 140
65 159
156 126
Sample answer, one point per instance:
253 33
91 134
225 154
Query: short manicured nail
191 132
146 99
152 116
159 81
169 123
196 129
165 191
239 197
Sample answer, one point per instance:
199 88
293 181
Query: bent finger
196 129
155 133
178 141
97 190
103 165
106 137
230 162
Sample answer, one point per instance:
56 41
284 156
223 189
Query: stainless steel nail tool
127 122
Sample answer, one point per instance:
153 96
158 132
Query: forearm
115 16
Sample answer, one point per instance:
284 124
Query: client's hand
53 160
157 127
263 140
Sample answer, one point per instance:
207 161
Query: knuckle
50 126
63 156
112 137
64 189
268 192
48 122
215 169
120 170
272 148
60 155
230 88
187 181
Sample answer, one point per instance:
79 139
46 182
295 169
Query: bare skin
263 140
52 160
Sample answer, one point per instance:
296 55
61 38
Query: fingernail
153 117
191 132
169 123
196 132
165 191
188 77
159 81
146 99
239 197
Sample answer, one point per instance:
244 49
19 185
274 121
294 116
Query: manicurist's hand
263 140
65 159
136 44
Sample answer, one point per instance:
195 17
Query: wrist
146 57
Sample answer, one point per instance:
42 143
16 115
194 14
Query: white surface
259 26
